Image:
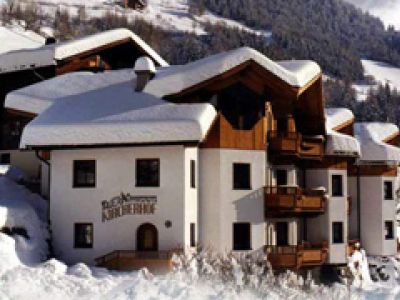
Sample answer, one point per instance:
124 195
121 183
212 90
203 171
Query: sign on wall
126 204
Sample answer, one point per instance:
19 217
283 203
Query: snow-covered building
27 65
374 188
233 152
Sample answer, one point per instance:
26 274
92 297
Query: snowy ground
23 275
168 14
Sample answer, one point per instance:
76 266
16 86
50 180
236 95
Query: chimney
145 71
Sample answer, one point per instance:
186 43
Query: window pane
241 176
337 185
83 235
84 173
192 174
148 172
389 232
388 190
5 158
241 236
192 235
337 232
281 177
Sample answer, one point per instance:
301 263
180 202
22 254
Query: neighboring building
233 152
114 49
374 187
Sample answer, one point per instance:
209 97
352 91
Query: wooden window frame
86 246
234 184
137 175
75 182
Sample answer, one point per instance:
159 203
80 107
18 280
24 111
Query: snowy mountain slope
387 10
168 14
382 73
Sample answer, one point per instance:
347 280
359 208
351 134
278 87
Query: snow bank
19 208
178 78
359 268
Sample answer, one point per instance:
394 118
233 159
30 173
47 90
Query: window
281 177
192 174
192 235
5 158
84 173
147 172
337 232
241 236
337 185
83 235
389 230
388 190
241 176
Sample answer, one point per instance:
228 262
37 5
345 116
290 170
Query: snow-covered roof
117 115
16 38
338 143
372 136
36 98
49 54
176 79
336 117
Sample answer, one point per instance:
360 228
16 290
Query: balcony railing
296 257
287 201
126 260
295 144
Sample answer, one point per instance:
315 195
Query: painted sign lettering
126 204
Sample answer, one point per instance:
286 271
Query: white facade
176 201
221 206
321 227
25 161
372 214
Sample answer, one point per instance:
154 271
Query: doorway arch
147 237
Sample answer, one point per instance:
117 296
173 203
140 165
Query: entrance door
282 234
147 238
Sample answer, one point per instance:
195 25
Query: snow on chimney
145 70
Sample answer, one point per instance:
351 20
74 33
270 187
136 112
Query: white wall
221 206
320 228
116 174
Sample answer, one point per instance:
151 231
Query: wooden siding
373 170
297 257
292 201
223 135
125 260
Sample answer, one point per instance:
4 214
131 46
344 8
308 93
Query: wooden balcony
158 262
297 257
296 145
286 201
